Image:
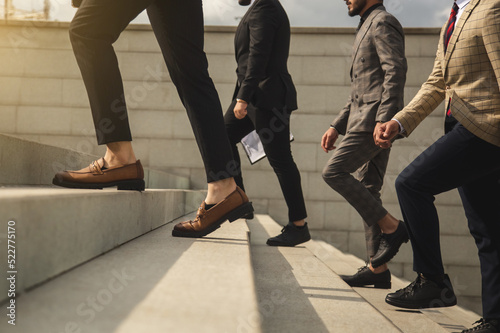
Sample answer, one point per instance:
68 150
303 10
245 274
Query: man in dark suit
178 26
466 75
263 100
378 75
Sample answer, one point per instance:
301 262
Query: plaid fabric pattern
468 73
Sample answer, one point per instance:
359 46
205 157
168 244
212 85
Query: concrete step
450 319
57 229
25 162
297 292
155 283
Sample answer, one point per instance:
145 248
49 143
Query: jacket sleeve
263 22
491 37
340 123
390 46
428 98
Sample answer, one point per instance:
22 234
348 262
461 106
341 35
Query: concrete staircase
105 261
57 229
229 281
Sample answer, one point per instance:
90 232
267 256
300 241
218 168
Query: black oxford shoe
424 293
365 277
389 245
291 235
485 326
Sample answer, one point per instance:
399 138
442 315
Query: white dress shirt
461 7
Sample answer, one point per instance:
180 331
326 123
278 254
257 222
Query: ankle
118 154
388 224
436 278
219 190
379 269
299 223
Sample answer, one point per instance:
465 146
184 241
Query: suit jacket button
355 76
356 96
362 59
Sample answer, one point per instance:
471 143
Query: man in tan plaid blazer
466 76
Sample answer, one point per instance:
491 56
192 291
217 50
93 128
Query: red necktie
451 25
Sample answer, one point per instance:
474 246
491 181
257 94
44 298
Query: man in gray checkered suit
378 75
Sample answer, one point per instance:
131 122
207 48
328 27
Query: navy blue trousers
460 160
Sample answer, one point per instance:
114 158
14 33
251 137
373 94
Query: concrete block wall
42 98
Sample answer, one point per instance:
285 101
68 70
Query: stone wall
42 98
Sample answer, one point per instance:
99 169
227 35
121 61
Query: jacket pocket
373 97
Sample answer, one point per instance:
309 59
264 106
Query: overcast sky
302 13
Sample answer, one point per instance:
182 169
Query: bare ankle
219 190
119 153
379 269
388 224
299 223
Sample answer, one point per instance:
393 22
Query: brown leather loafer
233 207
126 177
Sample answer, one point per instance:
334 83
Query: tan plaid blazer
469 74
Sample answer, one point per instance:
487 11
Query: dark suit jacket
378 74
262 44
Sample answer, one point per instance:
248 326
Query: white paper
253 147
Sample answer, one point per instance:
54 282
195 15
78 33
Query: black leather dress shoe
389 245
365 277
290 236
423 293
249 216
485 326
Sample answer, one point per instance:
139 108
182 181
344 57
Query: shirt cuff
401 128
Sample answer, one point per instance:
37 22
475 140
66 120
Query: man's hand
384 133
240 109
328 140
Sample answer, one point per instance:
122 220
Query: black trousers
460 160
273 128
178 26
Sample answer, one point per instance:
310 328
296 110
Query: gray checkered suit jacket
469 74
378 74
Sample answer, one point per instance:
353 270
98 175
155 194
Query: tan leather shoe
126 177
233 207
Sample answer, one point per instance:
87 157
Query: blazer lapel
457 31
243 21
249 10
362 33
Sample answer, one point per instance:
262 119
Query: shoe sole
272 243
380 285
422 305
126 185
232 216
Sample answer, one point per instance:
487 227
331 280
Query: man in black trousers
263 100
178 26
